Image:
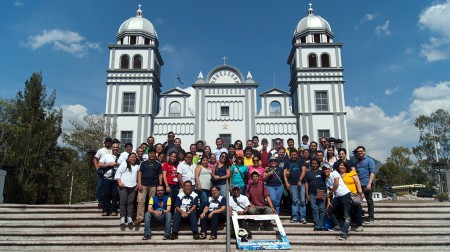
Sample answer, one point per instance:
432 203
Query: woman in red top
170 179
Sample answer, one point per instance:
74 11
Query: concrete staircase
399 226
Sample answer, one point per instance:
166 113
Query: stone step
399 226
187 241
379 210
337 247
403 228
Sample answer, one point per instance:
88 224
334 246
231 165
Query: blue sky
396 54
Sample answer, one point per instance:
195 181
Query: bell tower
133 79
317 83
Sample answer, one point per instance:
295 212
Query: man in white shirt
219 148
240 205
124 155
109 163
100 153
341 198
186 170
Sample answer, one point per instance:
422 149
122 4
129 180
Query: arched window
137 62
124 61
275 109
175 109
325 59
312 60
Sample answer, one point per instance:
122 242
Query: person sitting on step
214 213
186 205
158 210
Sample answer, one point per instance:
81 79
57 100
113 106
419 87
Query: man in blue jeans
294 175
365 167
159 210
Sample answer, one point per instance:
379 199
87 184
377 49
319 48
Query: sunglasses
255 160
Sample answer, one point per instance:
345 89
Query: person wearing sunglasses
221 173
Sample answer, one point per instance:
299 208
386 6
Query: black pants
110 195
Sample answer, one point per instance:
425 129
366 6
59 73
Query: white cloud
383 29
67 41
366 18
18 4
159 20
392 68
389 91
429 98
167 48
436 18
378 132
72 113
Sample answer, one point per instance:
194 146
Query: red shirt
171 173
257 195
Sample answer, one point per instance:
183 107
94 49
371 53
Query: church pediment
274 92
175 92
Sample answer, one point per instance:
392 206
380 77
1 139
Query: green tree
434 138
395 170
84 136
89 134
33 158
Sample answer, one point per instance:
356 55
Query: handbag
285 192
356 199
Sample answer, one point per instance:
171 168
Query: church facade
225 100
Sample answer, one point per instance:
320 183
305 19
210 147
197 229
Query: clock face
225 76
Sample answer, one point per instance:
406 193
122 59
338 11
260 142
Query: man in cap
109 164
100 153
240 205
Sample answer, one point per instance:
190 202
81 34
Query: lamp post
439 167
90 163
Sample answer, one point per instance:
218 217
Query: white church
225 102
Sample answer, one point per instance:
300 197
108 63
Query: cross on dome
224 60
139 11
310 10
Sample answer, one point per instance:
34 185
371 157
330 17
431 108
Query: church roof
138 24
312 22
274 92
175 92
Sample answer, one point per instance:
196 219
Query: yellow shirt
248 161
349 182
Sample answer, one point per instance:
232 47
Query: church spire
139 11
310 10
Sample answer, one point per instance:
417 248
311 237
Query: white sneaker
130 221
359 229
122 220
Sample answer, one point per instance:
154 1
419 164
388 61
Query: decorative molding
161 129
276 128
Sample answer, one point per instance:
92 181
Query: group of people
191 185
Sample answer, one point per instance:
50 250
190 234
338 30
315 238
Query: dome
138 23
312 22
